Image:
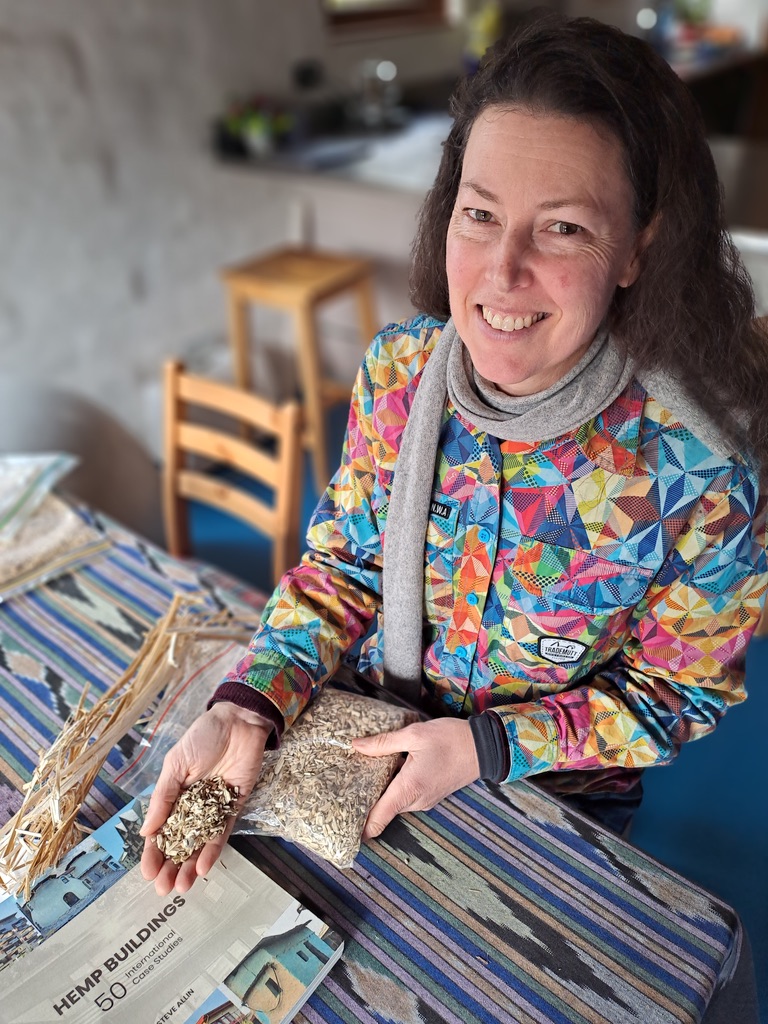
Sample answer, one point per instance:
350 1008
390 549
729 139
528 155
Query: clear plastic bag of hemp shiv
316 790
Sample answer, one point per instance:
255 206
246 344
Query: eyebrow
550 204
484 193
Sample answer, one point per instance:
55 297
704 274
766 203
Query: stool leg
175 508
366 307
311 384
239 338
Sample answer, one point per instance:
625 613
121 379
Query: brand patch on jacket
440 509
445 513
560 651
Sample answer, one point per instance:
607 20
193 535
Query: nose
509 264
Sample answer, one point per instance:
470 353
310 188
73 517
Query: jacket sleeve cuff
491 746
245 696
532 740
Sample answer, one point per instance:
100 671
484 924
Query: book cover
94 938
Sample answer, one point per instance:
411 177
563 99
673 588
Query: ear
634 263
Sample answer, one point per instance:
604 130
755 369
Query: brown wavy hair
691 310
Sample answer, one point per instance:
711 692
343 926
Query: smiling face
541 236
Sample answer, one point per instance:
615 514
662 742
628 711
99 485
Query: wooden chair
280 472
299 280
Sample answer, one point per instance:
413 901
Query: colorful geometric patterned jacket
595 590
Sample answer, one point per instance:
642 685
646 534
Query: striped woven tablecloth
499 905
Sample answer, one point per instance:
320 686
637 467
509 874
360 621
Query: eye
483 216
563 227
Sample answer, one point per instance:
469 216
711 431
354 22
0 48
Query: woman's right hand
227 741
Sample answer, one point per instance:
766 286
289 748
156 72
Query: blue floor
705 816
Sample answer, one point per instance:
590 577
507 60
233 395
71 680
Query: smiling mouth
507 323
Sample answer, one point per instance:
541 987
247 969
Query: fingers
186 874
379 816
168 876
400 795
441 759
151 860
179 877
154 866
386 742
226 741
211 852
153 863
161 802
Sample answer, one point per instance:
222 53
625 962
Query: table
501 904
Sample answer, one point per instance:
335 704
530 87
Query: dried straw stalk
45 826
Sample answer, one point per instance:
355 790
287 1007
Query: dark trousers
614 811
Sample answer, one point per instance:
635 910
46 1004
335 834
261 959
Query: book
94 938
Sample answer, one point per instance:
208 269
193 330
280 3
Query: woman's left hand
440 758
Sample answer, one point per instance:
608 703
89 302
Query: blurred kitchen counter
364 193
399 160
406 161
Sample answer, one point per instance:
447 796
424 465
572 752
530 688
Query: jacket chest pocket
551 577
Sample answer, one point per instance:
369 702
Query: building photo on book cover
93 938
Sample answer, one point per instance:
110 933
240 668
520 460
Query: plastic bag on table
316 790
195 667
55 539
25 481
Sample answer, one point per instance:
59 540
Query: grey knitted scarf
589 387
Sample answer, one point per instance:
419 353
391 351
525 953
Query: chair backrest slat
234 444
231 401
223 449
200 487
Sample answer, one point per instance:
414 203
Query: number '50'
117 991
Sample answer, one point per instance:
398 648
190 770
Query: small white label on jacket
560 651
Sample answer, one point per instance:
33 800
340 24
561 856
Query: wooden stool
298 281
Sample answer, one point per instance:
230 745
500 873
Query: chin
515 381
515 388
503 377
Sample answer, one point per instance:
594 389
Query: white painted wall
115 218
113 215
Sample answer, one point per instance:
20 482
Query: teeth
510 323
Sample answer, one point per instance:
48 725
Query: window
383 13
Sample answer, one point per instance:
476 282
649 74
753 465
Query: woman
549 482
